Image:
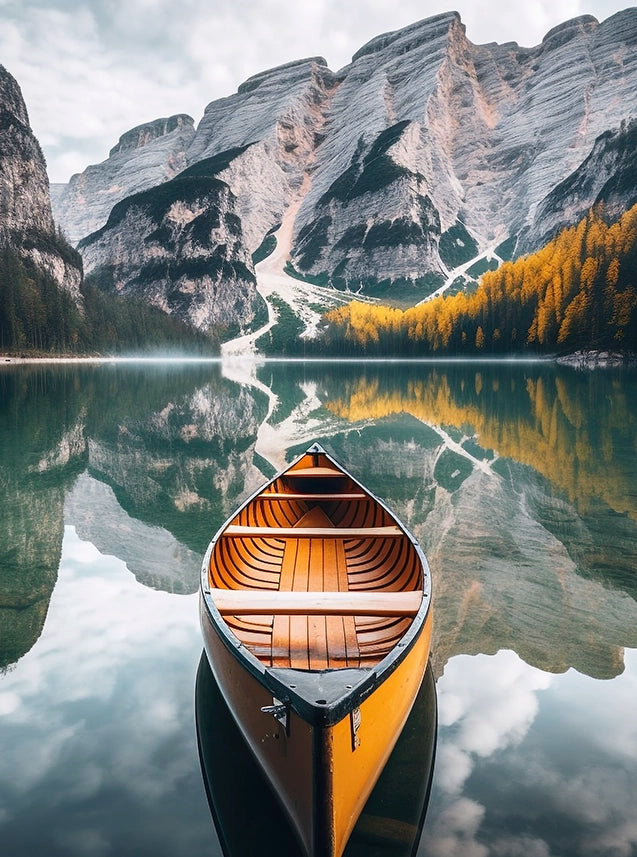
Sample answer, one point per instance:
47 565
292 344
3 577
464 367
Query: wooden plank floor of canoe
314 642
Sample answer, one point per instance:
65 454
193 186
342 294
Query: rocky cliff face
483 134
282 112
186 246
26 223
144 157
423 144
607 176
181 247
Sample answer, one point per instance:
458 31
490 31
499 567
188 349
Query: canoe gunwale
319 715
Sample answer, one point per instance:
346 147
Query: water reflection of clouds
490 702
485 705
98 715
613 703
560 765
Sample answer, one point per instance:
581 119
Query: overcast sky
92 69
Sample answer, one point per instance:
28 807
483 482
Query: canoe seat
323 610
236 531
314 473
276 603
297 495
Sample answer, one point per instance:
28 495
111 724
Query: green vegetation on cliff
36 316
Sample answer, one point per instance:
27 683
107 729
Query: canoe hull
321 773
316 617
391 822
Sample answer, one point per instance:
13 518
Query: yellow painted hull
321 778
351 773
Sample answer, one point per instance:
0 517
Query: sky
90 70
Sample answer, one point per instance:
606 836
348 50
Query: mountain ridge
424 140
27 227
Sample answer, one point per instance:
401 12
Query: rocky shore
592 359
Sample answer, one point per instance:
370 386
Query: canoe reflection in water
248 817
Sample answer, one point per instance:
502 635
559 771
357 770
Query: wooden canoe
316 617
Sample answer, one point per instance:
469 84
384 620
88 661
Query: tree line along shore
575 295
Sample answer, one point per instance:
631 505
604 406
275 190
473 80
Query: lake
519 480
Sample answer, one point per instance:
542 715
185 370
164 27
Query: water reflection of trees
173 443
575 429
530 527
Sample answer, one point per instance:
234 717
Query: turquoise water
520 481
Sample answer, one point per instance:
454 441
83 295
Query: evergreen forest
577 292
36 317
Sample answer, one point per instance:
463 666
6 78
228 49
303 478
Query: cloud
102 623
522 846
471 697
620 736
485 704
98 741
454 831
9 702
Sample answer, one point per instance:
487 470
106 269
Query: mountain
424 152
608 175
45 305
186 245
26 222
143 157
181 247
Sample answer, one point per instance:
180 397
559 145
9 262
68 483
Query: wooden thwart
314 473
237 531
246 602
281 495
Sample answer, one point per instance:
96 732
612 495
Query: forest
579 291
36 317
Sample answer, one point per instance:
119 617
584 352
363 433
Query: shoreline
582 360
10 360
589 358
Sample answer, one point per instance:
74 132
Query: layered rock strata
144 157
26 222
180 247
186 246
425 149
487 132
607 177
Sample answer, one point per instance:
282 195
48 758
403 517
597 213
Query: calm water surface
520 482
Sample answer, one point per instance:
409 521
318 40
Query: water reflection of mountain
518 480
576 431
41 452
519 561
176 446
152 554
169 450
